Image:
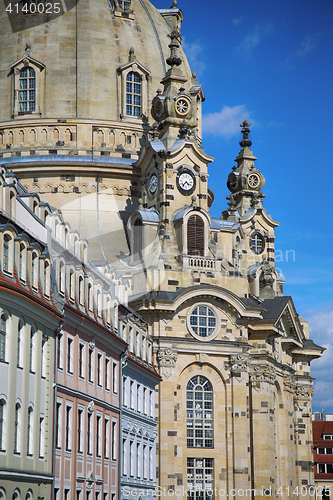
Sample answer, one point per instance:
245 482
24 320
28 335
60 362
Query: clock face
186 181
153 184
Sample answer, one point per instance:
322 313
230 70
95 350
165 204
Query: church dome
81 60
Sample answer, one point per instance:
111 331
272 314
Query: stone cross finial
245 143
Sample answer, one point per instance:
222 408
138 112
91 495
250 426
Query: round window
203 322
257 243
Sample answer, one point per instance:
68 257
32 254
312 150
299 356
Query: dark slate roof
310 343
273 308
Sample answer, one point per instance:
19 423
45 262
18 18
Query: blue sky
271 62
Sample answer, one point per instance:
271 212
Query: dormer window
137 238
27 90
124 4
133 93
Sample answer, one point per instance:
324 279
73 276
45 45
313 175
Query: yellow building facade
101 116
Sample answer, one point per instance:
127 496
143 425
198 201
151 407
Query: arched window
199 408
99 303
30 434
6 256
34 270
29 495
22 262
47 278
71 285
81 291
90 297
2 494
17 428
133 94
32 350
27 91
2 425
137 238
195 236
20 344
16 495
61 277
3 335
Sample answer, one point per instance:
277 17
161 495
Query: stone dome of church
80 56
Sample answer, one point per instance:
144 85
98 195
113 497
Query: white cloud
306 46
253 39
237 21
225 122
321 332
194 53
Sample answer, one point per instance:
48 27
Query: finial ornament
174 59
245 143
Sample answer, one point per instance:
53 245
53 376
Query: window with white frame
81 359
139 397
106 437
200 477
132 458
151 462
107 373
61 278
41 436
80 430
145 461
199 408
3 336
30 431
145 405
99 369
71 285
81 291
133 94
34 270
151 403
47 278
60 350
91 365
125 395
115 377
70 343
114 440
138 459
325 468
89 433
58 424
125 458
68 429
98 436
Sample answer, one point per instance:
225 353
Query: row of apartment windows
137 397
324 451
79 495
325 468
27 92
92 364
96 435
16 494
138 459
138 343
18 435
25 334
28 260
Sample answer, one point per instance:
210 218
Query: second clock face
186 181
152 184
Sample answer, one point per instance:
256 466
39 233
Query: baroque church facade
100 116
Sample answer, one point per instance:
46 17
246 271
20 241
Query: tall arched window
71 285
47 278
90 297
27 91
6 256
195 236
199 408
137 238
2 425
3 335
20 343
17 428
133 94
34 270
32 351
81 291
30 434
61 277
22 262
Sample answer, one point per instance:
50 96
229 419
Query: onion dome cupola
245 181
174 109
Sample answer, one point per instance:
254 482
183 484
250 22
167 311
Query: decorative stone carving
91 407
263 373
304 392
167 361
238 363
92 344
289 383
